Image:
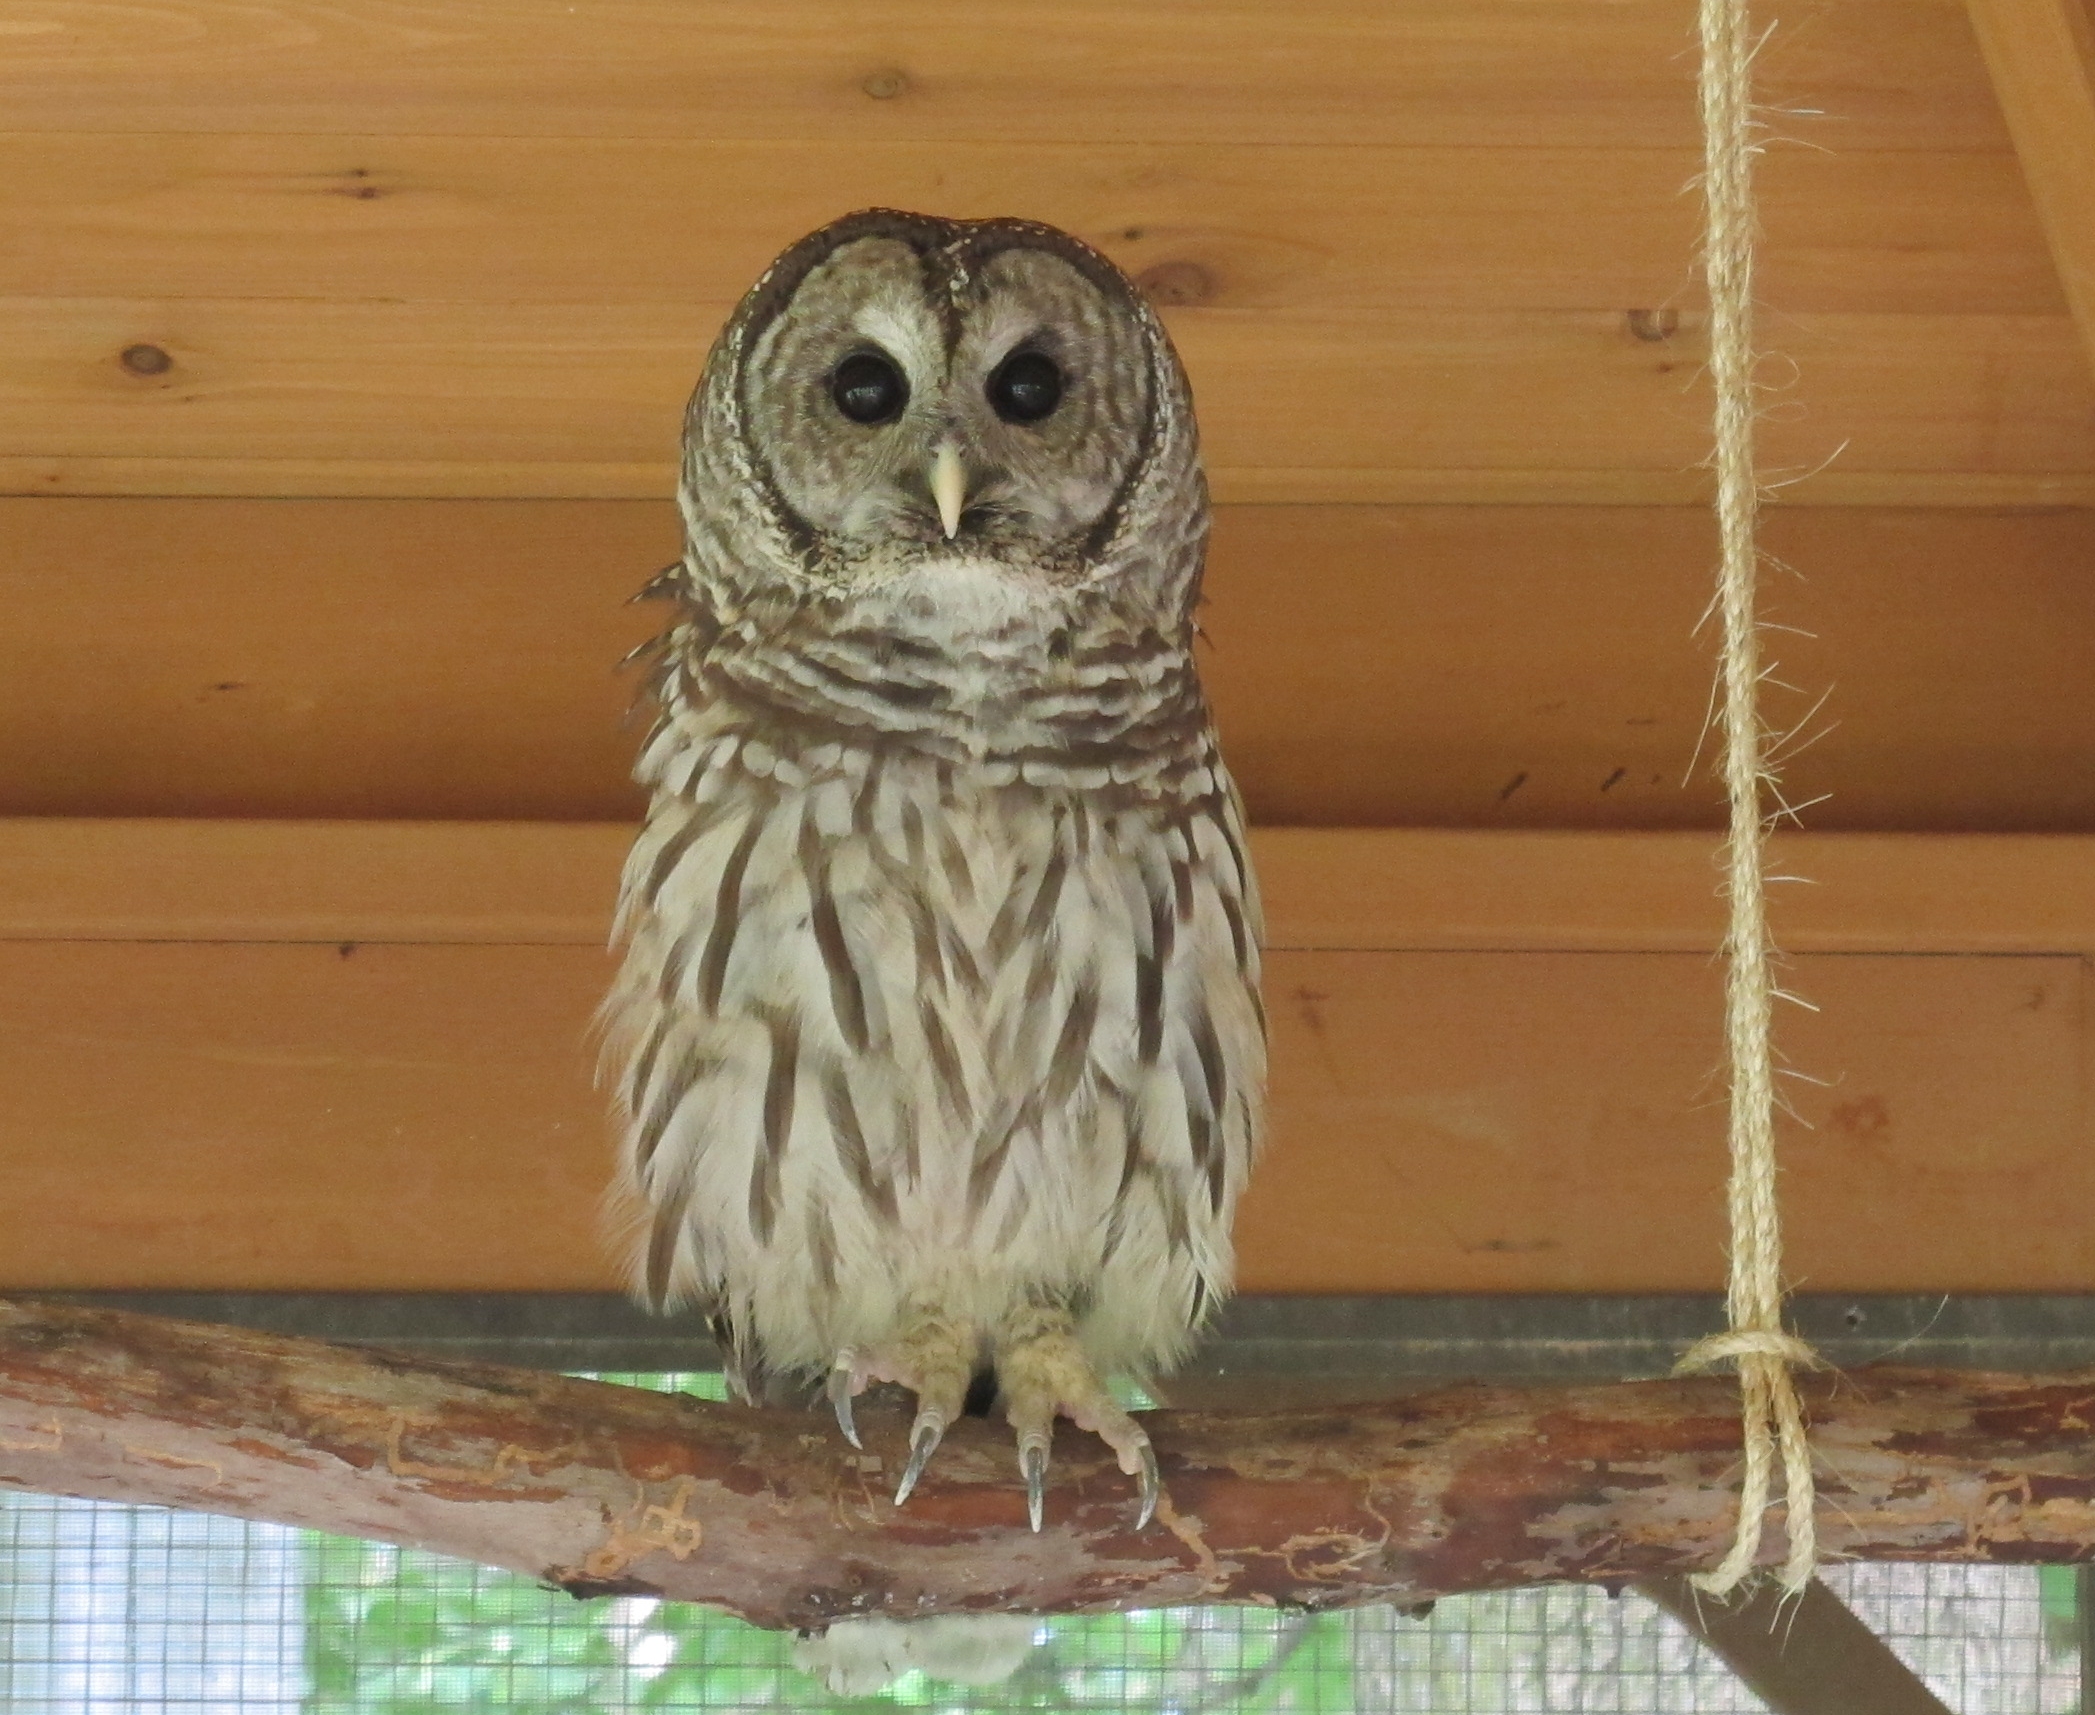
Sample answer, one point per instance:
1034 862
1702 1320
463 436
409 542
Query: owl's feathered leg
1043 1374
934 1356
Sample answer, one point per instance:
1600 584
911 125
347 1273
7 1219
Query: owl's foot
1043 1374
935 1359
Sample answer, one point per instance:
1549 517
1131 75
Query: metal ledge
1298 1348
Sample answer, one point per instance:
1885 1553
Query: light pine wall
342 347
1431 251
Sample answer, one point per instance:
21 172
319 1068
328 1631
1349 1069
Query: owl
938 1038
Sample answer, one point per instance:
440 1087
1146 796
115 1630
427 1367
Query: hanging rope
1772 1417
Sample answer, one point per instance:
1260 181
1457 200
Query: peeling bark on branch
769 1514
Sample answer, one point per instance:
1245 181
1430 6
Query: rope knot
1773 1421
1784 1348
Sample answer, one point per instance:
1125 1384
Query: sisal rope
1772 1417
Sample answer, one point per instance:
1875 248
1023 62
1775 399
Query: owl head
900 390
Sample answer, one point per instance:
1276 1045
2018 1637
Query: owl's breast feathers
959 660
941 974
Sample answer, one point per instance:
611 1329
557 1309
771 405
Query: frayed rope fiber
1772 1417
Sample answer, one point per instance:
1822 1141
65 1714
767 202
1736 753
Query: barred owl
938 1034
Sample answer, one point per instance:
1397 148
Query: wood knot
886 85
1864 1117
1172 283
145 360
1654 327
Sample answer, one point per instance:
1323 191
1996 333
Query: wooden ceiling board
1495 667
1598 73
1218 226
247 1116
1428 252
424 390
2041 56
1542 667
165 878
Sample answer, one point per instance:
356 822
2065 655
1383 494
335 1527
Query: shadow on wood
604 1489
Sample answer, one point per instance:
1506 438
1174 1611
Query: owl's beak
948 487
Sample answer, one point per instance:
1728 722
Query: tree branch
605 1489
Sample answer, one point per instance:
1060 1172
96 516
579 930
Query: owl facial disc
904 390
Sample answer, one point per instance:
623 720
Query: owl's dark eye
868 388
1026 387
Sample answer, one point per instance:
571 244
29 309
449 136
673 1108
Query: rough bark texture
604 1489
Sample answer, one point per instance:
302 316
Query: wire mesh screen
113 1610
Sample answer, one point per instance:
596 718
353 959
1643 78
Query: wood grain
1237 226
69 476
1433 252
1444 889
1552 1122
1326 889
2041 56
1496 668
398 1117
292 658
1541 668
423 387
1565 73
604 1490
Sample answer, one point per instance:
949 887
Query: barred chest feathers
941 979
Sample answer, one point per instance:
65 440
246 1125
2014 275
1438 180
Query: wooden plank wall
329 1056
341 352
1435 251
2041 58
1490 667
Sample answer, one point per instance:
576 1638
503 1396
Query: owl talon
1032 1465
1152 1485
841 1375
924 1437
